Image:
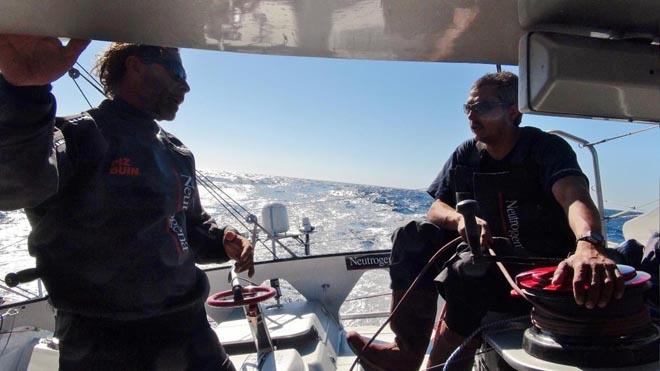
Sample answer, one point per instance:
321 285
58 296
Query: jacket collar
129 118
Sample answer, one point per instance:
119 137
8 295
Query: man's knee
413 244
415 238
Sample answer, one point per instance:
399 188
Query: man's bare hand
36 60
240 250
486 239
595 277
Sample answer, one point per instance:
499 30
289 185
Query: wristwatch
593 237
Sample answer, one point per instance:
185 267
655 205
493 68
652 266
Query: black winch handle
468 208
26 275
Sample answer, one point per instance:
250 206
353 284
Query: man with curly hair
117 224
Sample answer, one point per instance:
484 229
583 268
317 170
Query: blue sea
346 217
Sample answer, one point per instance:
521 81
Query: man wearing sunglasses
117 224
533 201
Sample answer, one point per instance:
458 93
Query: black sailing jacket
116 218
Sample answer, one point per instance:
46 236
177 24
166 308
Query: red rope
584 326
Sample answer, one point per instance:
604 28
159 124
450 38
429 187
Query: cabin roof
481 31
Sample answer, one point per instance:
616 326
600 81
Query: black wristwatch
593 237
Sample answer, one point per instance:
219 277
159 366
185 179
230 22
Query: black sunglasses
482 107
173 67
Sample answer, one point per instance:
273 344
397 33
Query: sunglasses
175 68
480 108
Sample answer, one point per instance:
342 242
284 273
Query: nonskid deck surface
304 335
303 327
344 356
294 324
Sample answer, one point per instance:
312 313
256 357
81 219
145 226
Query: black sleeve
556 159
31 148
204 235
440 188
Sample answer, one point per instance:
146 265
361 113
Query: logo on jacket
188 189
514 224
122 166
180 234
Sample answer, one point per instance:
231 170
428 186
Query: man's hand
36 60
595 277
485 240
239 249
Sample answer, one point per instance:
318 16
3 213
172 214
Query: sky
381 123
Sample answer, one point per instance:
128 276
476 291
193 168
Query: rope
205 183
488 350
92 79
468 339
627 323
213 190
81 92
628 209
25 293
74 74
12 313
267 248
286 248
552 321
244 280
519 291
223 192
369 296
451 244
92 84
619 136
13 243
219 195
646 204
222 202
591 326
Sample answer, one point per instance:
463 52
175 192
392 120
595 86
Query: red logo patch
122 166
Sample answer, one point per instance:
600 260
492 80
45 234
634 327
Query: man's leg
413 245
468 299
205 351
445 341
185 342
181 341
94 344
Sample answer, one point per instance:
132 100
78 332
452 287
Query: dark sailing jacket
515 194
117 224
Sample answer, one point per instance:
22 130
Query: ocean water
346 217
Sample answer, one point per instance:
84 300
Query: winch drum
618 335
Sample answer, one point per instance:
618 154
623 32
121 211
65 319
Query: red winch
618 335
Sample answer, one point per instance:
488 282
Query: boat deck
299 330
